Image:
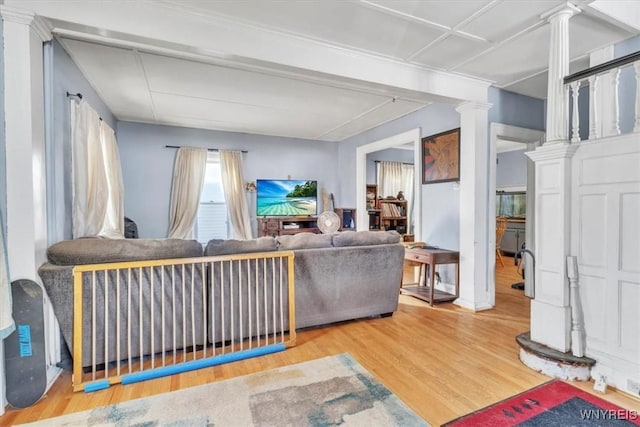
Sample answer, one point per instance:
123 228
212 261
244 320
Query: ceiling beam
155 25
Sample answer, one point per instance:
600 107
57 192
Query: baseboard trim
470 305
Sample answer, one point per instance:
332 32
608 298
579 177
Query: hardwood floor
443 361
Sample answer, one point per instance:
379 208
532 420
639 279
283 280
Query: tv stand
283 225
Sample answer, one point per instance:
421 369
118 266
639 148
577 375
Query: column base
553 363
471 305
551 325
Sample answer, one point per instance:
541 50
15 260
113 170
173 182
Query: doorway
528 139
410 137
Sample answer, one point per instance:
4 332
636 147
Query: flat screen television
286 197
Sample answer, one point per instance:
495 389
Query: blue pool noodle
188 366
96 385
203 363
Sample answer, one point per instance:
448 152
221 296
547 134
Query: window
212 221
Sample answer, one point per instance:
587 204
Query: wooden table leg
457 279
432 273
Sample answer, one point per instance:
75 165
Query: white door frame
532 138
411 136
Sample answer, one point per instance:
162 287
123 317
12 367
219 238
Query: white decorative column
550 310
557 93
24 34
476 281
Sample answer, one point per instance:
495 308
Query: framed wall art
441 157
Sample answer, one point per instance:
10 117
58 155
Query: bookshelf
393 215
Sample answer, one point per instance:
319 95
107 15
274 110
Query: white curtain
113 225
233 186
394 177
408 185
389 179
188 179
98 201
90 197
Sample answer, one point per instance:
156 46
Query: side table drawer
421 258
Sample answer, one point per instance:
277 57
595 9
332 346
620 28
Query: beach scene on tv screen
290 197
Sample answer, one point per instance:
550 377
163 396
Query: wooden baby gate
146 319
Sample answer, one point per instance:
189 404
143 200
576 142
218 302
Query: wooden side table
431 256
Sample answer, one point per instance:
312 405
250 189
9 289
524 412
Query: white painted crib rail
144 319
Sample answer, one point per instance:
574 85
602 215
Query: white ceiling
198 81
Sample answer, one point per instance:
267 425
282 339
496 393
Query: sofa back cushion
303 241
365 238
97 250
227 247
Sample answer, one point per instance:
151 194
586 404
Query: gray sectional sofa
57 278
342 276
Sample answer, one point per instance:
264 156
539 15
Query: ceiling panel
508 18
447 53
114 73
259 117
587 34
440 11
345 23
240 86
273 128
385 113
513 60
536 86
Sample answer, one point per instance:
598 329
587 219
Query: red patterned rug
555 403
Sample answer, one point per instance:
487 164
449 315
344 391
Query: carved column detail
557 92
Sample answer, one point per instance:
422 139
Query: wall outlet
600 384
634 387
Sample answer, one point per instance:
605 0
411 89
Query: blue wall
147 166
628 82
626 47
511 170
516 110
67 77
440 202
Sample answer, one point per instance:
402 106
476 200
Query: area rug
334 390
555 403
